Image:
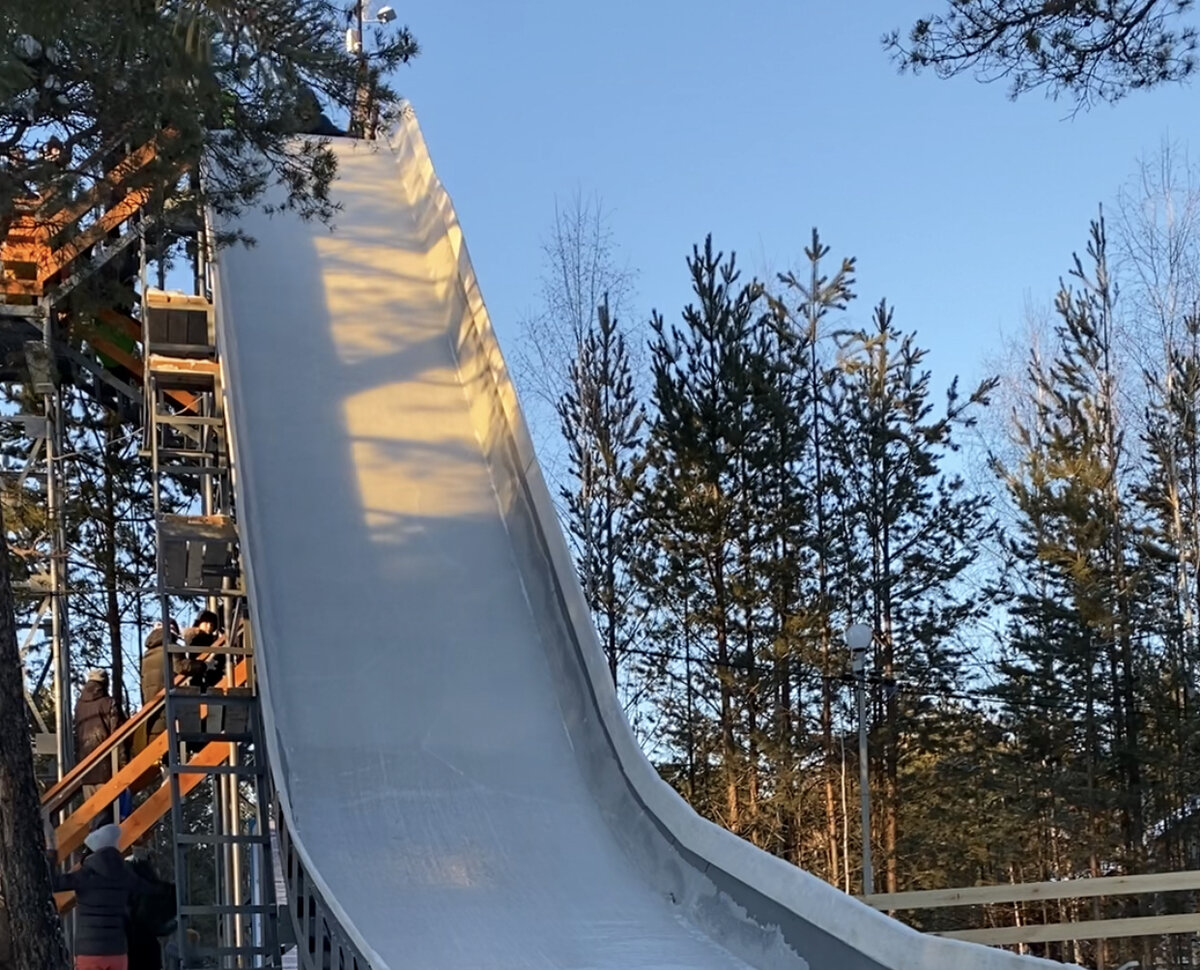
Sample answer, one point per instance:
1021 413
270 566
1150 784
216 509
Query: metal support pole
234 826
220 857
864 783
361 110
60 643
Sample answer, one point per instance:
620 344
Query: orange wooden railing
31 255
136 775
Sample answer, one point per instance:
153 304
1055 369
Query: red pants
102 963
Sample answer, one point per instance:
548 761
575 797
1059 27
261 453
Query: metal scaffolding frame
198 558
213 730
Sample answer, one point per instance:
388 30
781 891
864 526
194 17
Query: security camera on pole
859 638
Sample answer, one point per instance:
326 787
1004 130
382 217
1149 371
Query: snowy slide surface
453 764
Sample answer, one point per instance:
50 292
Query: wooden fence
1102 929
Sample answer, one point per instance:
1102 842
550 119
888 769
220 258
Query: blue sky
757 122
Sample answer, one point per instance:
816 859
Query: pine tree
1087 51
817 398
695 507
110 516
1168 489
225 83
602 422
1071 679
914 527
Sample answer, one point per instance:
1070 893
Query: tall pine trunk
729 757
822 543
37 940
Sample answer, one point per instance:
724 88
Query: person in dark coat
153 674
150 916
96 718
102 887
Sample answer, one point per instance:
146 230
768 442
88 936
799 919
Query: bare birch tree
581 267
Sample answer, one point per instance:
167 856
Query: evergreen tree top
218 84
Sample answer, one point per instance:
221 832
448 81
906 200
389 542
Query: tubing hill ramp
454 769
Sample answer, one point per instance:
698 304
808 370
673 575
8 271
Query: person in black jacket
102 887
204 634
151 915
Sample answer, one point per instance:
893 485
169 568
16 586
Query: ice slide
453 766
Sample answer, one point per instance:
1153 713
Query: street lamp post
859 638
364 112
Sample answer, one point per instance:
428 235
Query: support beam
100 372
60 629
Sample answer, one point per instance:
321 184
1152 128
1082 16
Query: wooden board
1100 929
194 528
198 366
1160 882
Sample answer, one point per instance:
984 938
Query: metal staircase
214 732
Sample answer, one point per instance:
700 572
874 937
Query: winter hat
97 674
105 837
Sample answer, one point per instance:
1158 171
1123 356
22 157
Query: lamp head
859 637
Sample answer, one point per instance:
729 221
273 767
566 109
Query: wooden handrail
66 787
28 238
1091 929
73 830
1160 882
130 327
1036 892
87 163
138 159
70 834
146 815
60 258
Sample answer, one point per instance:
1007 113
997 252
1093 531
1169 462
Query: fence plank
1098 929
1156 882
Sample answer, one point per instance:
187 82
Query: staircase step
204 737
197 528
178 453
205 952
203 370
243 771
191 469
231 592
188 421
